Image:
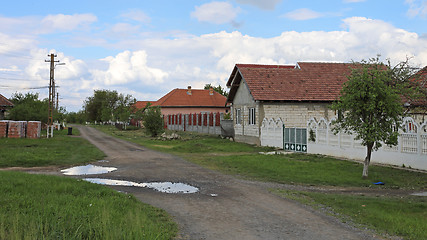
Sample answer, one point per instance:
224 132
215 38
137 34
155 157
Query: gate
295 139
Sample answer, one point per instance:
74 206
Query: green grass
49 207
401 216
61 150
314 170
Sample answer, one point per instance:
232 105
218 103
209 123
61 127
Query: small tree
217 89
153 121
371 106
28 107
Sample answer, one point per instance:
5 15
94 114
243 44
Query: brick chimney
189 90
211 91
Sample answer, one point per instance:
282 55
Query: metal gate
295 139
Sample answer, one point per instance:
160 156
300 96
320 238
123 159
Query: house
188 101
5 104
292 93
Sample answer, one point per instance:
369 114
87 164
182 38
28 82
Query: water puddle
165 187
87 170
422 194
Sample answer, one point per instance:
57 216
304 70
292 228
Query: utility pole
57 101
51 95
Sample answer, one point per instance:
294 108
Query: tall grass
49 207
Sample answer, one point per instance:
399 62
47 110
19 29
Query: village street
224 207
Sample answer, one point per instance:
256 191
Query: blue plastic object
379 183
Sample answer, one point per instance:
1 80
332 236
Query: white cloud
216 12
265 4
303 14
128 67
136 15
63 22
417 8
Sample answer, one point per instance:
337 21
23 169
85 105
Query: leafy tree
75 117
28 107
153 121
107 105
217 89
371 105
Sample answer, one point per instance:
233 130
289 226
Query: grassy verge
49 207
60 150
401 216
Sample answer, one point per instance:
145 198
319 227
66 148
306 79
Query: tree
28 107
153 121
107 105
370 105
217 89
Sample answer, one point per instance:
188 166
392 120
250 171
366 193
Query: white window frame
238 116
252 116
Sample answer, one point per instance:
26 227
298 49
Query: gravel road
224 207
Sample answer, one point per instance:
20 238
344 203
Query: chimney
211 91
189 90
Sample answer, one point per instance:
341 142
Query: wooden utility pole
51 95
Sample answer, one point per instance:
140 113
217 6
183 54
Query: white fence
272 133
410 151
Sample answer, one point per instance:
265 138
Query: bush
153 121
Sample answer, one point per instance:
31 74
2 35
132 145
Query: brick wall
3 128
16 129
20 129
34 129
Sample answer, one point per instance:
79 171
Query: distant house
142 104
5 104
292 93
187 101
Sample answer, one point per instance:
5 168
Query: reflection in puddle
166 187
87 170
422 194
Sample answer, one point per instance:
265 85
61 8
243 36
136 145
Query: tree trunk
367 160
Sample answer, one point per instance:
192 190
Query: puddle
169 187
165 187
422 194
87 170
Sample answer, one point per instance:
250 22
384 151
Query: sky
148 48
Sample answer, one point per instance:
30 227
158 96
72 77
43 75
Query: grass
401 216
50 207
61 150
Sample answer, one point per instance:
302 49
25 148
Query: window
251 116
238 116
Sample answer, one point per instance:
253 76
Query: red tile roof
142 104
4 102
197 98
307 81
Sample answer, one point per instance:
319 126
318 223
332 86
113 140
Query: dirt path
241 209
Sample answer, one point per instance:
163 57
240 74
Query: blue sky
147 48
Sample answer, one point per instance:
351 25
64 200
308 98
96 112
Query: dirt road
224 208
